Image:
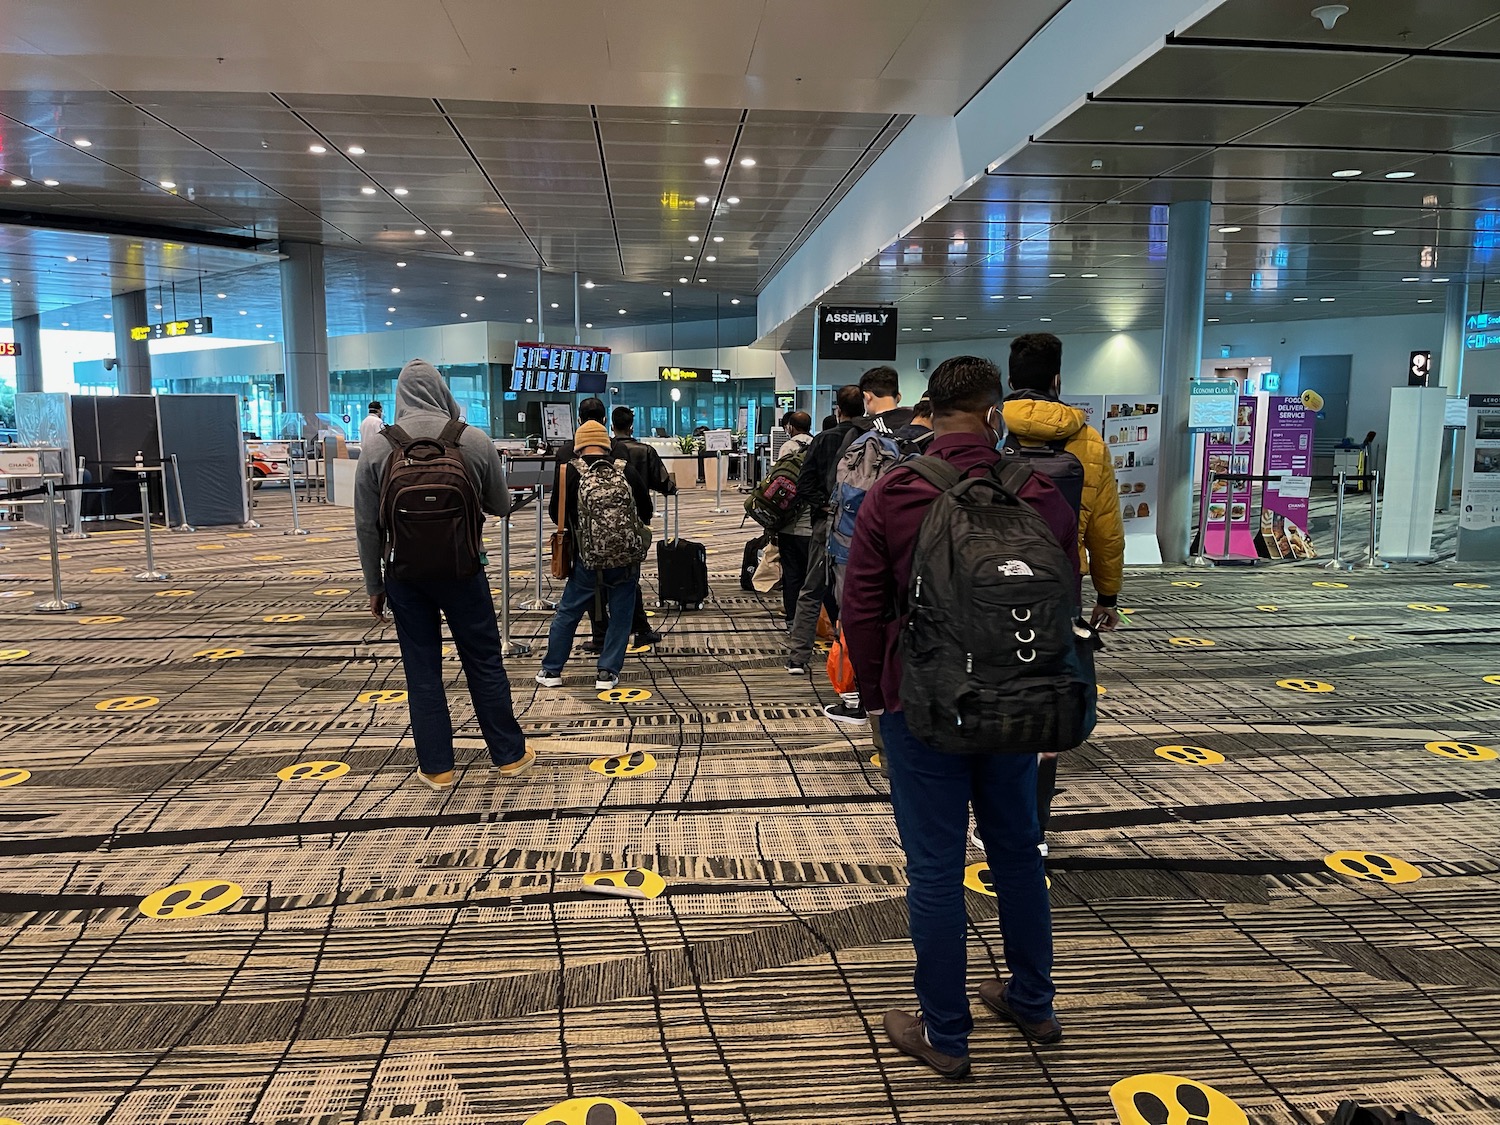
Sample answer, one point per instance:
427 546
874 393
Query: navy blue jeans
470 612
620 586
931 794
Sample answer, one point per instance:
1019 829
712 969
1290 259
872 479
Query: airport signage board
860 333
693 374
170 329
9 348
554 369
1211 406
1419 369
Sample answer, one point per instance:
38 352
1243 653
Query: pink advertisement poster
1232 451
1284 507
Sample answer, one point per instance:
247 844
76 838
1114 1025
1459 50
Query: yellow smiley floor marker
1492 679
1102 690
1188 585
108 570
1464 751
319 539
875 759
1267 608
15 593
307 573
218 653
191 900
651 613
210 546
632 765
1169 1099
268 558
1359 637
127 703
625 695
174 593
1308 687
332 591
1190 755
1191 642
313 771
101 619
1427 607
977 878
1372 866
9 777
14 653
239 535
1471 585
382 697
585 1111
283 618
637 650
1331 585
48 558
632 882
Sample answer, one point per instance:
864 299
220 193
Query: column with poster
1479 507
1231 451
1285 503
1132 429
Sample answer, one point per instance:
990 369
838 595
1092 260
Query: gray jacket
424 405
802 525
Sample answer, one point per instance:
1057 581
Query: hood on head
1035 417
421 389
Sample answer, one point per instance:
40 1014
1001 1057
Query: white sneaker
603 681
1042 847
549 681
974 840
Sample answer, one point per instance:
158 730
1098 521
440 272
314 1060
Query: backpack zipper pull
969 664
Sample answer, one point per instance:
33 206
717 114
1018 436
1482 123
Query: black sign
8 348
856 333
560 370
693 374
1419 369
197 326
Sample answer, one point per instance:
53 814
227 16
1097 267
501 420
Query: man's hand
377 605
1106 618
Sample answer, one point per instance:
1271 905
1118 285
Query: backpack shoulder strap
1012 475
451 432
394 434
935 471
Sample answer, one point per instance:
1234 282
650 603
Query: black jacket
647 464
643 506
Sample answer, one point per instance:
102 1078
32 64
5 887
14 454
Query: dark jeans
816 594
1046 785
794 550
470 612
622 585
599 621
930 793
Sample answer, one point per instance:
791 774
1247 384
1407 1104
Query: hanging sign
1211 405
1419 369
693 374
197 326
9 348
847 332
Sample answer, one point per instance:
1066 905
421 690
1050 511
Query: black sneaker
591 647
841 712
648 638
796 667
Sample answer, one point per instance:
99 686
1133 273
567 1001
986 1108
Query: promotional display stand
1227 524
1479 506
1288 453
1132 430
1413 450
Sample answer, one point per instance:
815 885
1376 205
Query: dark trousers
930 794
599 619
466 605
794 551
1046 785
622 585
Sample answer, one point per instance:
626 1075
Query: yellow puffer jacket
1101 532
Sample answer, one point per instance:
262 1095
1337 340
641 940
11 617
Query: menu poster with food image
1285 503
1479 512
1131 427
1231 451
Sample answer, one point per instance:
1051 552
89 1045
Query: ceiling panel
1461 85
1188 72
1385 23
1162 122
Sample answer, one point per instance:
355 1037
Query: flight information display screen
555 369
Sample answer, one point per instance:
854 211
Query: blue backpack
866 459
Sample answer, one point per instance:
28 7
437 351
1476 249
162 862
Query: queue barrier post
291 480
1372 559
57 603
719 509
540 602
1200 557
77 532
181 504
1337 562
150 574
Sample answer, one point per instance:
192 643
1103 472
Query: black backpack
431 524
1052 460
990 659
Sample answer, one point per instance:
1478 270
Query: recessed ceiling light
906 329
622 312
733 199
1424 300
355 150
388 323
4 281
419 232
687 257
1382 232
168 184
501 276
84 142
588 284
468 253
390 308
718 238
1440 280
1046 320
109 316
1057 275
1327 300
666 292
50 183
156 307
399 191
1230 230
394 289
701 199
528 320
703 281
734 300
221 296
65 324
367 190
445 233
479 298
588 324
316 150
747 162
464 316
1088 275
692 238
74 258
400 265
1299 298
1025 298
18 182
927 330
960 318
244 312
710 258
937 318
260 326
554 304
997 296
1411 279
1348 173
1399 175
712 161
682 281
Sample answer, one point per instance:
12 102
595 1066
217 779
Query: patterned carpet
338 945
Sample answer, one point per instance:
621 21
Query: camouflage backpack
609 531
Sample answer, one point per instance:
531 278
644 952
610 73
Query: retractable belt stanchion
1200 557
57 603
1372 560
181 504
291 480
77 532
150 574
251 523
1337 562
540 601
719 508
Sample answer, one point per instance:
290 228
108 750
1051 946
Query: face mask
995 424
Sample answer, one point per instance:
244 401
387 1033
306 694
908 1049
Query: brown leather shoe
992 992
909 1036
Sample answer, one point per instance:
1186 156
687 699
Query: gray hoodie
424 405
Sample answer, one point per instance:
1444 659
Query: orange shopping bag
840 671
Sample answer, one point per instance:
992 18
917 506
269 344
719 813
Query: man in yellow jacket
1035 416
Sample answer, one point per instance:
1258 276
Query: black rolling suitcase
681 569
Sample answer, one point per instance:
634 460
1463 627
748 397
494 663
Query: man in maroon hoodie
930 791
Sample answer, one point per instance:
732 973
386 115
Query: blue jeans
931 794
470 612
620 586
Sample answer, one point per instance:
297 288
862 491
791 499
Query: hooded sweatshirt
1036 419
424 405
